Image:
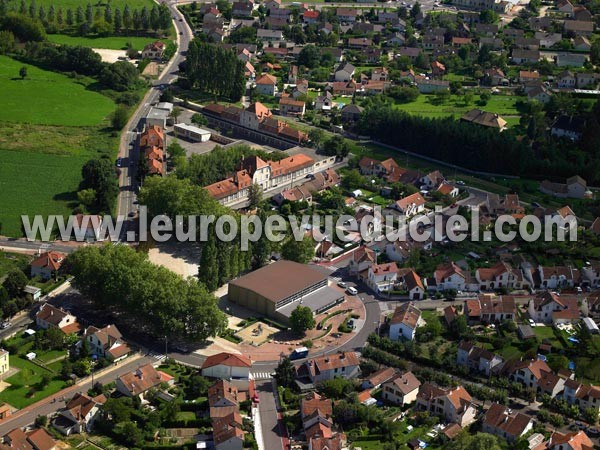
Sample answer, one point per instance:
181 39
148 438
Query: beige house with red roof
47 264
500 421
227 366
405 321
570 441
290 107
376 379
453 404
447 189
228 433
528 373
37 439
387 169
139 381
402 389
362 258
50 316
327 367
410 281
266 84
107 342
501 275
153 50
79 414
410 205
583 395
266 174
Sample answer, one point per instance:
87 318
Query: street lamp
94 359
166 351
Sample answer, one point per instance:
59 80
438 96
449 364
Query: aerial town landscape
453 304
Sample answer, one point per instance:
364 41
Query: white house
401 390
529 373
410 205
405 321
52 317
345 72
583 395
79 414
449 276
107 342
551 307
382 277
571 441
227 366
477 358
455 405
47 264
327 367
500 421
362 258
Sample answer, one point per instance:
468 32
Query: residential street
272 430
53 403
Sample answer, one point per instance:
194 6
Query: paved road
127 149
272 429
49 405
35 246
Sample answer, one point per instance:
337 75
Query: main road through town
128 151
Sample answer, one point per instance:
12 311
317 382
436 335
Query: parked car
5 325
352 290
342 284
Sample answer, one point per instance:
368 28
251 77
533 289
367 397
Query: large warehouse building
277 289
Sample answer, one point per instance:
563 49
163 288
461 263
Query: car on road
181 20
352 290
531 322
460 183
131 214
119 162
342 284
535 204
5 325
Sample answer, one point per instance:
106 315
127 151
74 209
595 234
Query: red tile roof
227 359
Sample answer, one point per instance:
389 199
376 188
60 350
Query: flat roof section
318 301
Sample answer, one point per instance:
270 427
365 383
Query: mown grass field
50 126
503 105
49 98
26 385
111 42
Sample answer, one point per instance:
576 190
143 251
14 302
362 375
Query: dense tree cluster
211 167
98 188
215 70
149 297
88 19
449 140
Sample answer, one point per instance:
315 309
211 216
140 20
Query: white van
352 291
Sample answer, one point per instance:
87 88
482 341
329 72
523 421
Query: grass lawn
23 390
50 355
11 261
112 42
454 106
185 416
49 98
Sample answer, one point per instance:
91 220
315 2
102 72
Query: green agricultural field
37 183
112 43
503 105
49 127
49 98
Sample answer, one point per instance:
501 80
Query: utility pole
166 351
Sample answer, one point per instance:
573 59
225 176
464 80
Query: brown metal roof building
277 289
